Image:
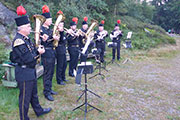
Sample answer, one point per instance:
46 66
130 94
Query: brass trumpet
80 32
76 32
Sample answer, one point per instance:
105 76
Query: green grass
172 118
9 102
65 101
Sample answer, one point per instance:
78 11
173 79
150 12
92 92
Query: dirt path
147 90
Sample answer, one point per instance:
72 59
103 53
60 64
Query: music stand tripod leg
81 95
116 63
95 108
125 61
131 61
94 76
94 93
78 107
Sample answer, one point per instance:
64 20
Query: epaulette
18 42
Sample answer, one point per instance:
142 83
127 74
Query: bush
141 39
134 19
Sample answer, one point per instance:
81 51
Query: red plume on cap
45 9
86 19
75 19
21 10
102 22
59 12
118 21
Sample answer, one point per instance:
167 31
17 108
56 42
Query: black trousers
118 51
101 47
83 57
61 67
74 54
27 95
48 64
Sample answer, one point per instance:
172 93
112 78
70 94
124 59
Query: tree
167 14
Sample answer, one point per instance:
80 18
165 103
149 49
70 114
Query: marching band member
25 55
99 37
48 58
115 36
83 29
82 37
61 56
73 46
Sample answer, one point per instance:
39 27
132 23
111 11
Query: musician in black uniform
82 38
73 46
61 57
48 58
115 36
25 55
100 42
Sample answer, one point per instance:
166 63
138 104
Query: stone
6 16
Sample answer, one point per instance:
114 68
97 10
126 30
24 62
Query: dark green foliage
135 16
167 14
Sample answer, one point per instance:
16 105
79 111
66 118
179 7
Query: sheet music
129 35
110 43
83 63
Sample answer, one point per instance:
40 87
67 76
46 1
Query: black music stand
128 45
113 46
99 67
86 69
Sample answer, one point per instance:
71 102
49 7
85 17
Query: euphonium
60 17
89 36
94 23
39 20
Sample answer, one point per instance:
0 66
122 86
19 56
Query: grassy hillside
140 39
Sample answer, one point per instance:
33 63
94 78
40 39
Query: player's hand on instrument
70 31
44 37
98 38
41 49
55 37
105 32
76 34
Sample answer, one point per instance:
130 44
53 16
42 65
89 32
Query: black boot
45 111
66 80
49 97
53 92
62 83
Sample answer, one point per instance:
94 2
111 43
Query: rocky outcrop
7 25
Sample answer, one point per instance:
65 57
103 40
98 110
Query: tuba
39 20
60 17
94 23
